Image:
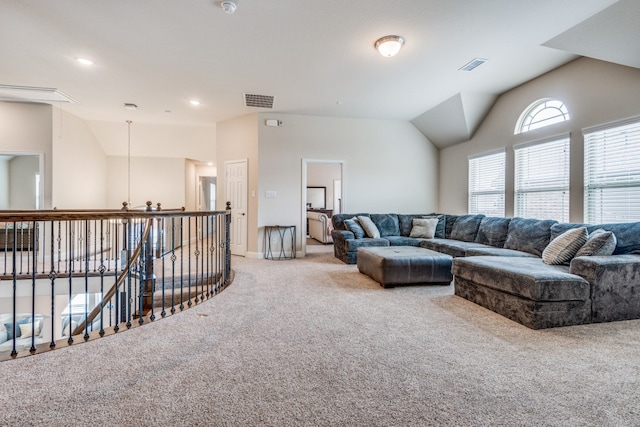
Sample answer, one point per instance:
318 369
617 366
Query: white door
236 194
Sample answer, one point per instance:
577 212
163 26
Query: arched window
543 112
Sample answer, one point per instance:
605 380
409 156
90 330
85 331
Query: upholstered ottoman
401 265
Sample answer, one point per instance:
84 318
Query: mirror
316 197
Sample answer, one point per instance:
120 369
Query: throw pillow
354 226
424 228
440 227
600 242
369 227
564 247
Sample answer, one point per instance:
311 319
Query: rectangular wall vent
34 94
260 101
474 63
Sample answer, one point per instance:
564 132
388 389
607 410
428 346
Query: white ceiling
316 57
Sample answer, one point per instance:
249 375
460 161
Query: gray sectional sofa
498 264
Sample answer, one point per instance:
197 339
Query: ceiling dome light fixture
229 6
85 61
389 45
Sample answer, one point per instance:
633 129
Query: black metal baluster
181 263
52 278
102 269
163 313
34 274
14 352
129 296
173 265
86 279
189 261
70 269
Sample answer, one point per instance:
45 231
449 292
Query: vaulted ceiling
314 57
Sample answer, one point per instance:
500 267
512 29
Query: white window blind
612 173
486 184
542 179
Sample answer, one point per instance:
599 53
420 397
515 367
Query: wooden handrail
123 275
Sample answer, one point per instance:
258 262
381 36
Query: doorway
236 182
21 185
322 173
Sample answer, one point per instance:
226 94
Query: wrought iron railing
73 276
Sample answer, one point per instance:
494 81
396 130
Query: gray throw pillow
599 243
353 226
564 247
424 228
369 227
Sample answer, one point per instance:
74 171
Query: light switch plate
270 194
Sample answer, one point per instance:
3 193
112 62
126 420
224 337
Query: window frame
527 120
619 175
527 187
476 192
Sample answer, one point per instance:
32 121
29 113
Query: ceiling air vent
260 101
34 94
473 64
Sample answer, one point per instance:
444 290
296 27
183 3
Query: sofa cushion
493 231
405 222
599 243
493 251
448 226
369 227
525 277
403 241
352 245
627 235
338 219
387 224
560 227
466 227
424 228
563 248
455 248
353 226
529 235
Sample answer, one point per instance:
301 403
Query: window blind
542 179
486 184
612 173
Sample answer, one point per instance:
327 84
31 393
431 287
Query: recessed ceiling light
85 61
194 102
210 164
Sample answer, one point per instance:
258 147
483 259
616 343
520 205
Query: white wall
27 129
389 165
595 92
79 165
156 140
158 180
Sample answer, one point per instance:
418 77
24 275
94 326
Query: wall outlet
270 194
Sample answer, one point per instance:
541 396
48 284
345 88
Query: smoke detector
229 6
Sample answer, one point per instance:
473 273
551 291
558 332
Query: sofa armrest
615 285
342 235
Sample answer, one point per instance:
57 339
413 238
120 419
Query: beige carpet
312 342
